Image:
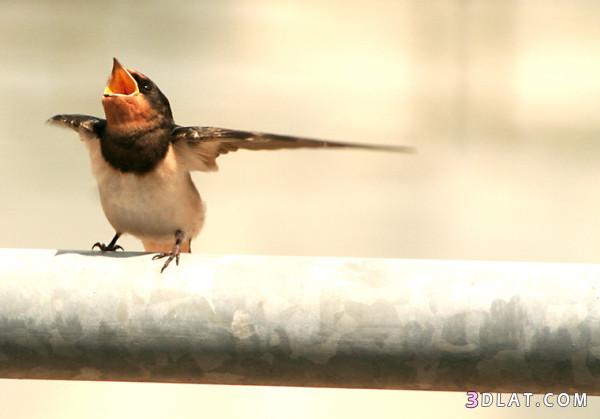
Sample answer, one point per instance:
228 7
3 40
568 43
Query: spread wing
200 146
88 127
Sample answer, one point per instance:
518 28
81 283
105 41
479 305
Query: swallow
141 160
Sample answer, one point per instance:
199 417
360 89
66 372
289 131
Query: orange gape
121 81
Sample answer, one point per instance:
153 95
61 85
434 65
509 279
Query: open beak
121 83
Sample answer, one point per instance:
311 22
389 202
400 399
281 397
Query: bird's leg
111 247
173 254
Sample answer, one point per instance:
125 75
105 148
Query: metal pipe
301 321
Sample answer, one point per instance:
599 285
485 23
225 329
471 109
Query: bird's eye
146 86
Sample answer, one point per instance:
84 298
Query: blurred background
500 98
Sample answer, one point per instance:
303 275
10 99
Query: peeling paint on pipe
301 321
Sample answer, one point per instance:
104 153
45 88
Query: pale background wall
501 99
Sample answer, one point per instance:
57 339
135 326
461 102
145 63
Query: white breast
150 206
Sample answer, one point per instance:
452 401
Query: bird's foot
170 255
174 253
110 247
107 247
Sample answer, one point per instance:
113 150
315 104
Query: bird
141 160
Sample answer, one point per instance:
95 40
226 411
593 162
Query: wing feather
88 127
200 146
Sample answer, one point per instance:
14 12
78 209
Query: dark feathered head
133 103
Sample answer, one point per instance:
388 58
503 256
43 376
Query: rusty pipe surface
301 321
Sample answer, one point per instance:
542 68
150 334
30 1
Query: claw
173 254
170 255
107 248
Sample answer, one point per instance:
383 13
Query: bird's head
133 103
